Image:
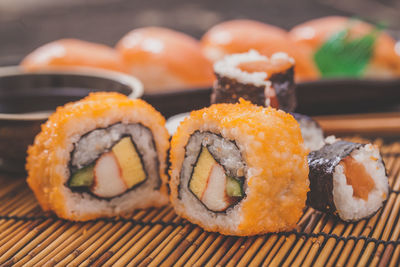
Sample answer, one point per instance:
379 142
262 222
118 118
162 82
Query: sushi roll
102 156
383 61
241 35
263 81
71 53
347 179
239 169
165 60
312 133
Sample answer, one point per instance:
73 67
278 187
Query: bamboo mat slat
155 237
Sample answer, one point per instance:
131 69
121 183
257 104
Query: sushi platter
167 150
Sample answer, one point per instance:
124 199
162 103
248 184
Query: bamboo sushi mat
158 237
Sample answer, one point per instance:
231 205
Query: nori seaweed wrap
347 179
263 81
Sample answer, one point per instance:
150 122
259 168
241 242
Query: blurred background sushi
313 32
346 53
171 47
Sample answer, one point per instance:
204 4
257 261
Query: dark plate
343 96
321 97
27 99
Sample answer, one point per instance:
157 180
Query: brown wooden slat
22 238
395 258
210 250
326 251
134 248
314 226
251 251
194 246
240 252
264 250
45 256
150 258
79 249
182 247
173 242
225 251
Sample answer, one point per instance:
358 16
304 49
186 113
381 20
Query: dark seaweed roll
312 133
263 81
347 179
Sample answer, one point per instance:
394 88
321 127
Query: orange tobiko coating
69 53
276 176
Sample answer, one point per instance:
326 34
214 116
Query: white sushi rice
331 139
173 122
352 208
313 135
229 156
228 67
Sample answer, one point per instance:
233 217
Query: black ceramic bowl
27 99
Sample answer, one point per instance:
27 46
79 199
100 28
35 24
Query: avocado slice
234 187
83 177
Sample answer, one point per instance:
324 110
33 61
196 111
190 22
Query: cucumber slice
83 177
233 187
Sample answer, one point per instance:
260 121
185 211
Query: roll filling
108 162
357 177
213 172
211 182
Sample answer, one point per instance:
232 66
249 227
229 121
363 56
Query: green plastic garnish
234 187
342 56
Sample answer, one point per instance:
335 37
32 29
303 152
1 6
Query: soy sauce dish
27 99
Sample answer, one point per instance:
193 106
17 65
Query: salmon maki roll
265 81
102 156
347 179
239 169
